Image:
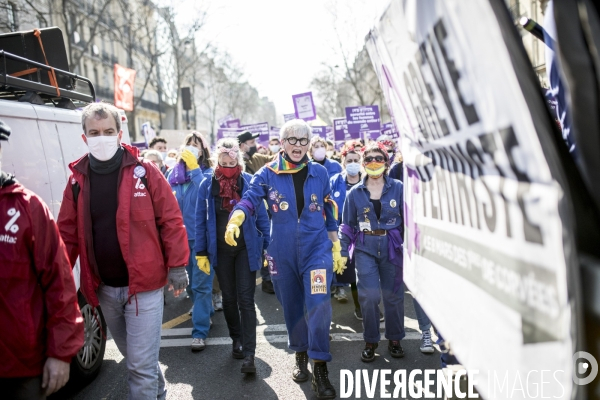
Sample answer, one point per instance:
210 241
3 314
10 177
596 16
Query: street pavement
214 374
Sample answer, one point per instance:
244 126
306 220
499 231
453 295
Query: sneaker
237 351
198 344
300 372
368 354
333 291
248 366
320 382
267 287
358 314
191 311
217 301
341 295
395 349
426 343
381 317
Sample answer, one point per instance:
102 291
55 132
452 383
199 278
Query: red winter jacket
39 314
149 226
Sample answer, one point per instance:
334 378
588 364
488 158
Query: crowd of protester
314 221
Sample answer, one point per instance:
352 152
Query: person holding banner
305 250
193 165
318 152
371 232
235 266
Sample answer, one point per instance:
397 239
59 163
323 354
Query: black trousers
237 286
29 388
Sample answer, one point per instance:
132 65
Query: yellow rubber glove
203 264
339 262
189 159
233 227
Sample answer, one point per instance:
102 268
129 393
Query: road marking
264 339
176 321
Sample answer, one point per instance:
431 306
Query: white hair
299 128
229 143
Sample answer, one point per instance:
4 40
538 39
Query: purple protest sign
228 132
234 123
340 132
389 129
329 133
288 117
223 121
364 120
319 131
304 106
262 129
274 133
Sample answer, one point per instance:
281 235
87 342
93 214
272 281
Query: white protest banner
483 251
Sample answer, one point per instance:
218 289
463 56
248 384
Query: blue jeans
191 268
375 279
135 324
424 322
238 284
202 285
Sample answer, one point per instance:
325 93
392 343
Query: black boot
368 354
320 382
236 351
300 373
395 349
248 365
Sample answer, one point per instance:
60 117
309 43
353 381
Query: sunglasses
376 158
293 140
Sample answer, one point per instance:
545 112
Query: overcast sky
281 44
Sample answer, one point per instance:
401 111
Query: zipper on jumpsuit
383 191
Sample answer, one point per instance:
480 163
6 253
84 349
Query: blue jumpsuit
301 250
377 272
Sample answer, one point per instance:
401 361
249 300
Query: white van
44 140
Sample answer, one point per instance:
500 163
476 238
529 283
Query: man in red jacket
120 217
42 327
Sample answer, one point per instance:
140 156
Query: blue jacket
333 167
255 228
307 231
358 209
186 195
338 191
397 171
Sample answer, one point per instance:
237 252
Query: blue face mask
353 169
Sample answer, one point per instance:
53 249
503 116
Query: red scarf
228 189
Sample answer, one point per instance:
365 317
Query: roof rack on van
14 87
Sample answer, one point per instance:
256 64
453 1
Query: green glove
233 227
339 262
189 159
203 264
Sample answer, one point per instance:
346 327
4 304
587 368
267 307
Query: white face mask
103 148
274 148
163 155
329 153
353 169
319 153
170 162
